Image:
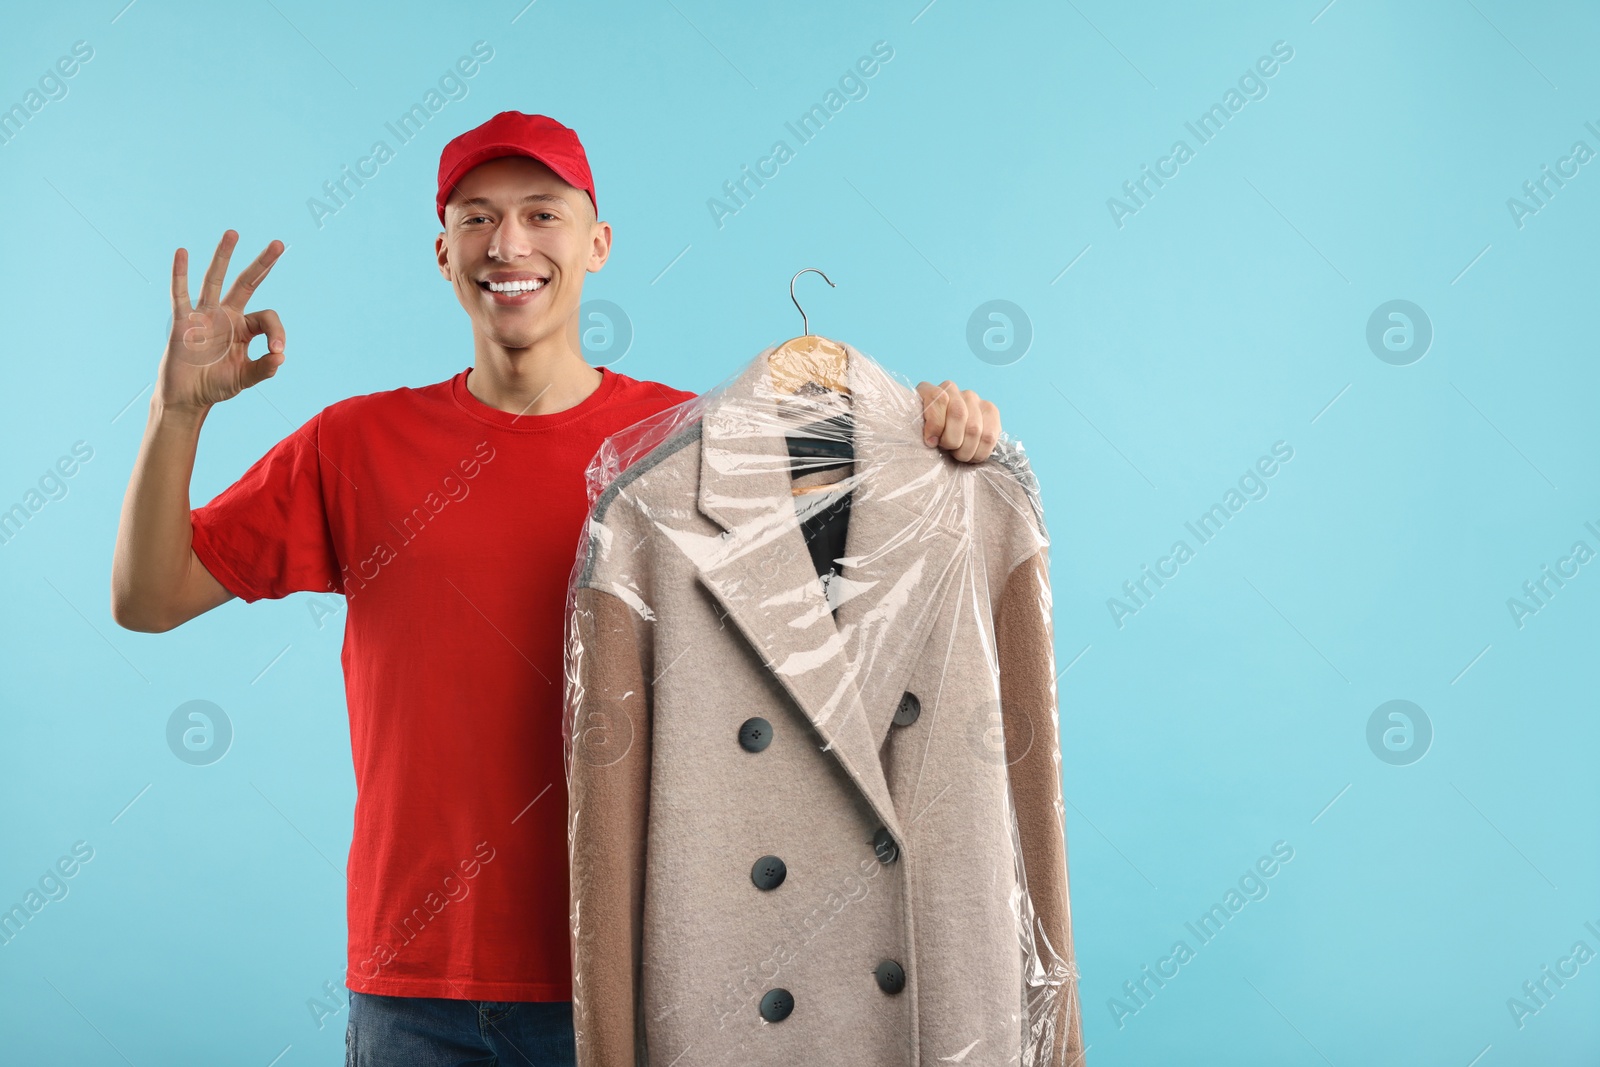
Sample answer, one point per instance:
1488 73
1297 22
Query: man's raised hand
959 421
207 358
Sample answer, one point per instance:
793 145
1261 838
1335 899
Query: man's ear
441 250
600 247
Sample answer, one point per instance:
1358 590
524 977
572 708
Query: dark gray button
891 977
755 734
910 707
776 1005
883 844
768 872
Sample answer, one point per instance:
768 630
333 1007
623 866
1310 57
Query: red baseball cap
511 133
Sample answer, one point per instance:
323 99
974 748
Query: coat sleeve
608 796
1028 698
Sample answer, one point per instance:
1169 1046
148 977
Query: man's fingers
991 431
966 446
180 284
249 279
211 291
259 370
266 321
972 441
935 403
266 365
959 421
955 417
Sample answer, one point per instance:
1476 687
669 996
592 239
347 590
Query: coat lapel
902 546
846 676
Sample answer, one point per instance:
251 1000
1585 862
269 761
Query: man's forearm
153 550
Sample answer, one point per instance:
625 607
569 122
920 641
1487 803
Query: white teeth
516 287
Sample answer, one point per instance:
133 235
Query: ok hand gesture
207 359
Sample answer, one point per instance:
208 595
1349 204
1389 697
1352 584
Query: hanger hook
804 327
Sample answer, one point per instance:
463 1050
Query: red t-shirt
451 527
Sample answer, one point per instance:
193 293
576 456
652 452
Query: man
448 516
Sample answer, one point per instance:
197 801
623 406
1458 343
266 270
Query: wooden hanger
808 364
808 360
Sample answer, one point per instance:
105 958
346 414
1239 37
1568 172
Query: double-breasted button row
890 975
778 1003
755 733
768 872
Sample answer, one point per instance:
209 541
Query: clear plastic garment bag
812 748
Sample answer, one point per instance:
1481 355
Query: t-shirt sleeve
267 535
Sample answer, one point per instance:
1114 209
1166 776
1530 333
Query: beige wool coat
799 835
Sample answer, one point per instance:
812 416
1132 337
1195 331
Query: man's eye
471 218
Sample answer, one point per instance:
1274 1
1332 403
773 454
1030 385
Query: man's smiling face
512 225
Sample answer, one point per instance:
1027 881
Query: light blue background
1229 313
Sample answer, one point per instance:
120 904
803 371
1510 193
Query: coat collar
904 543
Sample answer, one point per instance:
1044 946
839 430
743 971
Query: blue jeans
432 1032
